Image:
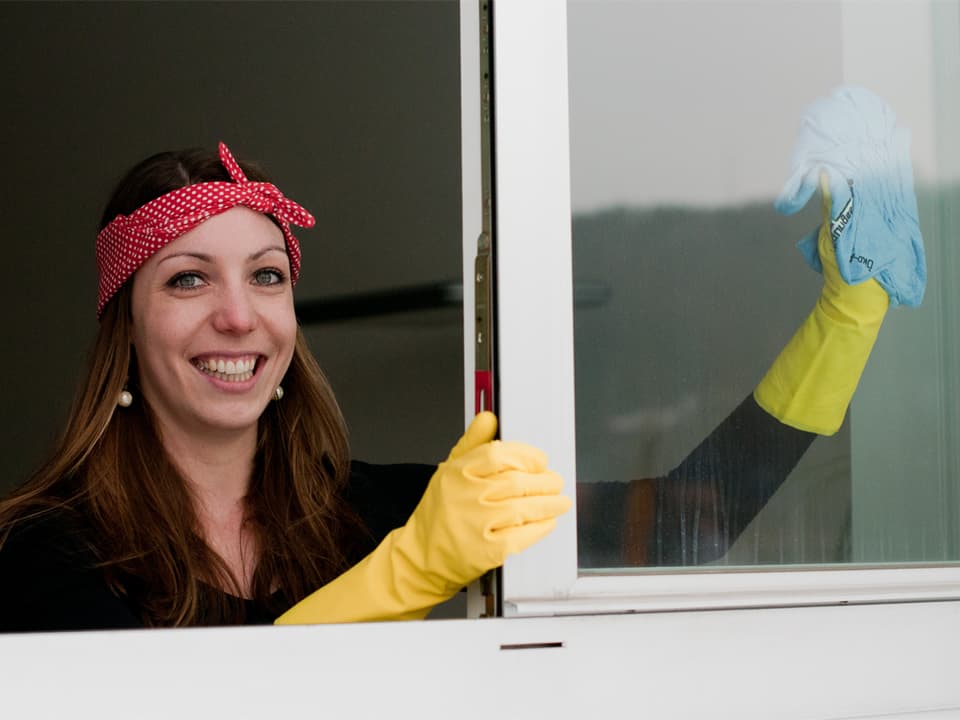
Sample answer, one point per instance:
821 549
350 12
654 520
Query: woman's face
214 325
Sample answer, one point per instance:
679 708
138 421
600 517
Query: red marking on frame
483 390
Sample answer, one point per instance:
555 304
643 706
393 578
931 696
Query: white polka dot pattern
126 243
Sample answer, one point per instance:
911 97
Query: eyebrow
271 248
203 257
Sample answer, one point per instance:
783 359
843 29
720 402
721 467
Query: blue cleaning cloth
853 137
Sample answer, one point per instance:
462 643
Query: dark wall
353 107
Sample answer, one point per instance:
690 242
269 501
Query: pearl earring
125 399
278 393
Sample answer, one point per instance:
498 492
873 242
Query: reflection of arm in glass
703 505
695 513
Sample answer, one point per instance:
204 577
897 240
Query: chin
237 421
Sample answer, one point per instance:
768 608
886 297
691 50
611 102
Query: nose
235 312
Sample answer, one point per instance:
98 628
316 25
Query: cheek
153 346
142 335
289 335
278 327
283 322
159 330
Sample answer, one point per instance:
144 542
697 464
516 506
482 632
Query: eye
185 281
268 276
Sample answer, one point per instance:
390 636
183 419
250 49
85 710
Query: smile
228 370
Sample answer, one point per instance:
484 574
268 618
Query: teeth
228 370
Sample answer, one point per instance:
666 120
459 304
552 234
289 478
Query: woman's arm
695 513
703 505
486 501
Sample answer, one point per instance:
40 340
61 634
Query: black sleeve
49 582
694 514
704 504
384 496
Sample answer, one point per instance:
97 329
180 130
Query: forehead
238 231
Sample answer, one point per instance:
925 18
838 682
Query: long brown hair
111 470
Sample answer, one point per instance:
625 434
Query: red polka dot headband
126 243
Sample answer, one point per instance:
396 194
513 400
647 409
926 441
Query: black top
694 513
49 581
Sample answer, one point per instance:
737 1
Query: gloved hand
853 136
490 499
810 384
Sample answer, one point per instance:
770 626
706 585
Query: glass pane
688 284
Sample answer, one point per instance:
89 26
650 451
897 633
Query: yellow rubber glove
490 499
810 384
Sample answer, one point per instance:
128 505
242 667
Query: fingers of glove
496 457
515 539
518 512
482 429
518 483
825 200
828 256
865 302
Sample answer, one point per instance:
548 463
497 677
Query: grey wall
353 107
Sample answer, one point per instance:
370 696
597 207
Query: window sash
535 361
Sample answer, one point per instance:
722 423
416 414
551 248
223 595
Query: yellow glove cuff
812 381
372 590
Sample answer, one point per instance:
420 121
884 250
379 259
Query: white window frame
535 362
883 661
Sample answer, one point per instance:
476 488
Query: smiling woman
214 326
204 476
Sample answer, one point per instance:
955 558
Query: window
639 148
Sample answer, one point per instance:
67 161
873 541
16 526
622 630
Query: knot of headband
129 240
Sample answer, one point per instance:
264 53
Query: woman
204 475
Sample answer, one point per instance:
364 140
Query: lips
228 369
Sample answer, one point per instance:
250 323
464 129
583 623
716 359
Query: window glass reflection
688 284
